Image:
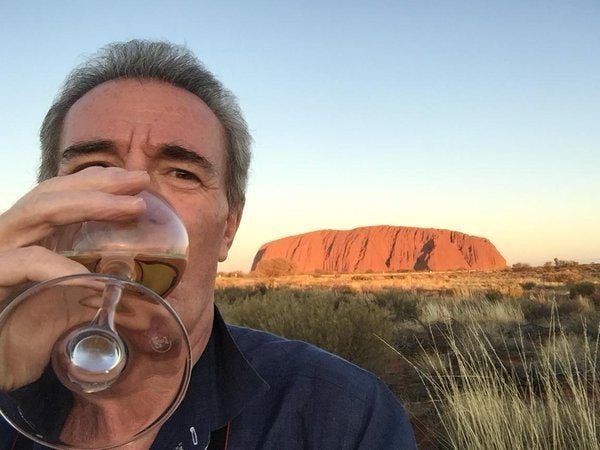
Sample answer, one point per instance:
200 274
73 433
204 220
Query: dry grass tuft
459 310
527 393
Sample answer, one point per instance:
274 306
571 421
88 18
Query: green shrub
233 294
535 311
583 289
404 305
350 325
528 285
493 295
564 263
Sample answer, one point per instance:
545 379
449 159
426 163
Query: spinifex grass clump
453 310
486 400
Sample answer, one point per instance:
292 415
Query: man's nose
136 160
139 149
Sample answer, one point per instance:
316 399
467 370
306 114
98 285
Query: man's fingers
30 222
113 180
34 263
95 193
81 206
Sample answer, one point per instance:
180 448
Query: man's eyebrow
87 148
179 153
170 151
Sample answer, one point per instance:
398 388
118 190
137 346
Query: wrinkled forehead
165 108
153 110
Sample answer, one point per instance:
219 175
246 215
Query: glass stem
105 317
123 268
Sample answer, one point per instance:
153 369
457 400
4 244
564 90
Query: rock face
382 249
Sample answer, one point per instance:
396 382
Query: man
148 116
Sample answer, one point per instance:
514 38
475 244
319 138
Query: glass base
41 393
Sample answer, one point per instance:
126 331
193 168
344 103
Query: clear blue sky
476 116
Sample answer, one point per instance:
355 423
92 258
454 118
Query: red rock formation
382 249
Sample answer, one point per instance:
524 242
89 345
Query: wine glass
81 353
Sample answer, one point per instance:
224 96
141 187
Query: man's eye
82 166
184 175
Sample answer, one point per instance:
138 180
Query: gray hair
160 61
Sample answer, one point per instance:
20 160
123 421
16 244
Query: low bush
404 305
232 294
517 267
583 289
493 295
348 324
275 267
536 310
528 285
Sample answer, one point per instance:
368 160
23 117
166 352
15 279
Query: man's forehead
144 96
144 110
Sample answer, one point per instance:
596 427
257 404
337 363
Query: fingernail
138 202
132 204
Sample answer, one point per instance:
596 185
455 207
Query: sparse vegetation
499 359
348 324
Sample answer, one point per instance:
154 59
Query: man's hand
94 193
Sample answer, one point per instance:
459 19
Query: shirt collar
222 383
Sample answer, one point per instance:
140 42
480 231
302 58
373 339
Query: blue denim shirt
278 394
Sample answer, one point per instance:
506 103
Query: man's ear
231 226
